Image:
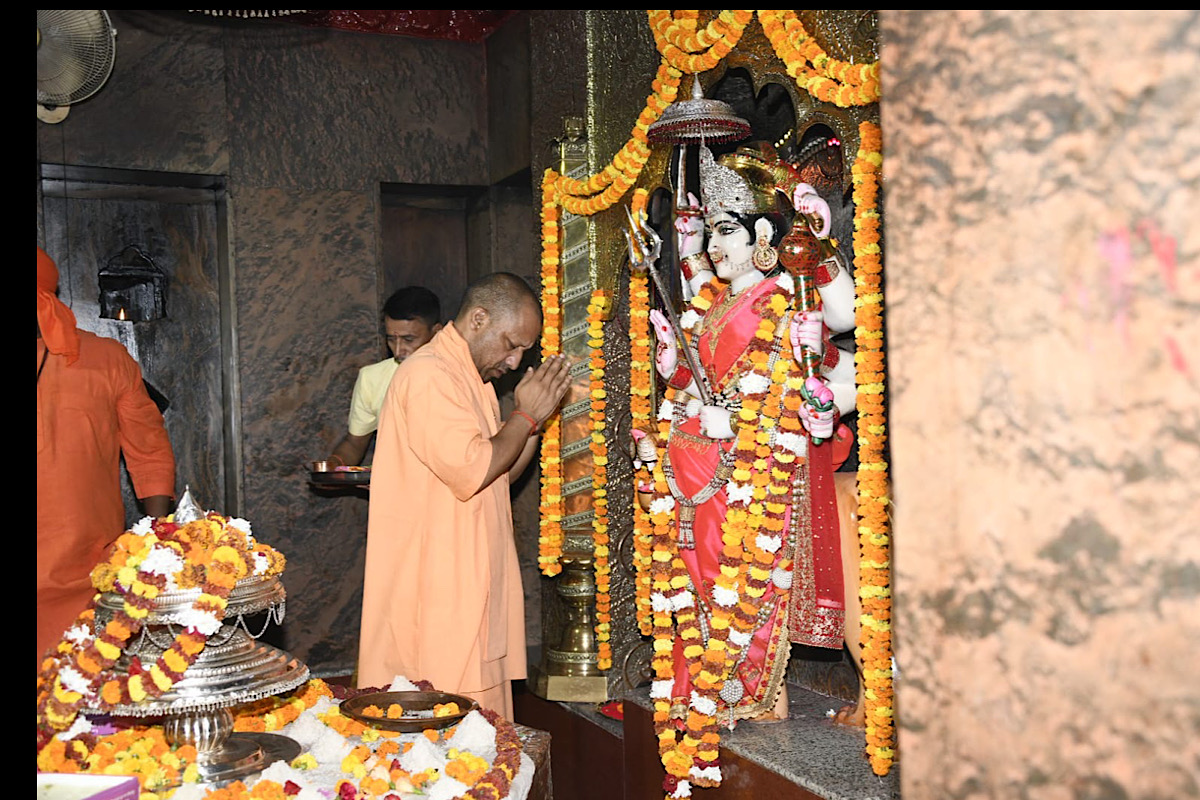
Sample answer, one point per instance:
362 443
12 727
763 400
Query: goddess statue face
730 245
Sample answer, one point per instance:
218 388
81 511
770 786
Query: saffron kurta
442 596
88 415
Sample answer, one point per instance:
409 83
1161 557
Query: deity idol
747 553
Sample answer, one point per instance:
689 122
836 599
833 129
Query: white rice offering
402 684
475 735
424 755
447 788
281 773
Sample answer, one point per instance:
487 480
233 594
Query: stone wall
1041 175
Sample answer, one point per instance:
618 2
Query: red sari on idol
812 611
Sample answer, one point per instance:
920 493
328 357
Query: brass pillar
569 666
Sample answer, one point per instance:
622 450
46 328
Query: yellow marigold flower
352 766
160 679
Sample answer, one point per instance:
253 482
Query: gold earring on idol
765 256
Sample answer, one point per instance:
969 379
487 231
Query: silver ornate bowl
249 596
232 669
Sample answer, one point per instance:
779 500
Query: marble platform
805 757
807 749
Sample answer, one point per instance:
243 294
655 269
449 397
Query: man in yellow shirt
411 317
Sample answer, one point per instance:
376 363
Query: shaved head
501 294
500 319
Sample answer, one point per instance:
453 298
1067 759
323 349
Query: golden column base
568 671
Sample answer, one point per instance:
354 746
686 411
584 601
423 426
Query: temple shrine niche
784 104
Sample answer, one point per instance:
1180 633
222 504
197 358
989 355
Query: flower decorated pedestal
234 668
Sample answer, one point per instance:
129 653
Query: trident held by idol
645 246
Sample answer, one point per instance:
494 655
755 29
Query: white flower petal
162 560
682 600
684 789
793 442
664 410
74 681
661 689
77 634
705 705
753 383
738 493
240 524
143 526
740 638
725 597
786 283
662 505
689 319
81 725
660 602
770 544
203 621
693 407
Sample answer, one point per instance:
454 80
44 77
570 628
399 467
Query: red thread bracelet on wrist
533 423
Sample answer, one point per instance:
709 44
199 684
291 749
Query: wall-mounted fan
75 54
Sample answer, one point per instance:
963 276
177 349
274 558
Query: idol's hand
689 225
808 330
817 412
666 357
541 389
715 422
808 202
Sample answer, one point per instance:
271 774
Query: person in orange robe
442 597
92 407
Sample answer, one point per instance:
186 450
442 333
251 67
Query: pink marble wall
1041 177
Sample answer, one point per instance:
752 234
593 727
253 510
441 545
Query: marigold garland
550 536
825 78
692 51
641 386
596 313
142 752
210 554
873 496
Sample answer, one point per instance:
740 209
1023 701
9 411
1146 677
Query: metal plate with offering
408 712
325 474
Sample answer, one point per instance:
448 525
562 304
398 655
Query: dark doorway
93 215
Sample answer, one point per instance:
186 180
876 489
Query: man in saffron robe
92 407
442 599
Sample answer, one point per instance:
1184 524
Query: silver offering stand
234 668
